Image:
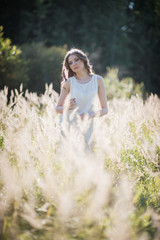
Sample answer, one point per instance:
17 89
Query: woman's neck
82 75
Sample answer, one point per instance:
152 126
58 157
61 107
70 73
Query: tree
123 34
12 68
44 65
144 43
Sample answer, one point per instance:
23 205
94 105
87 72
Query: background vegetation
123 34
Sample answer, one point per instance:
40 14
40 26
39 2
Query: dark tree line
119 33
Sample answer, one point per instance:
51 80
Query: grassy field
52 188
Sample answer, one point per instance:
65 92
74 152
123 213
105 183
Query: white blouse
85 94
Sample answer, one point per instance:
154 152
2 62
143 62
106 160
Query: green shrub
12 68
124 88
44 65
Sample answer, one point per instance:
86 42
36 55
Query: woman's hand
72 103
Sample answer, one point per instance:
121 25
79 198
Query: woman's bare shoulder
100 80
65 85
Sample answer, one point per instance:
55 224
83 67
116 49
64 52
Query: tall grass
53 187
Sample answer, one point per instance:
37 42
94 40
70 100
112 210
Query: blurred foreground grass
52 188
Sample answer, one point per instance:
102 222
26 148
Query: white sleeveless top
85 94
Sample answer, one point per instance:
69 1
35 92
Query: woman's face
75 63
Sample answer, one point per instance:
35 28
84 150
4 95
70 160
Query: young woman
82 85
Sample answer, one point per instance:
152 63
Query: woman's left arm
102 98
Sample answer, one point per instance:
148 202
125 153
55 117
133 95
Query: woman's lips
76 67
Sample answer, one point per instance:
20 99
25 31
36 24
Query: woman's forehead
72 57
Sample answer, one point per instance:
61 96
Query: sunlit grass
54 187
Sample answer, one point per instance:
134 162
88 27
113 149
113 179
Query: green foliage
143 223
121 89
44 65
146 187
144 37
125 35
12 68
1 142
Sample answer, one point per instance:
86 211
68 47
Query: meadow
53 188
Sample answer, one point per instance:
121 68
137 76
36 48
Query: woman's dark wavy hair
66 70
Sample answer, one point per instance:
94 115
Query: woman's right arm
64 91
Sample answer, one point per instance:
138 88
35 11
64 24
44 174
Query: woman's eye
76 60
